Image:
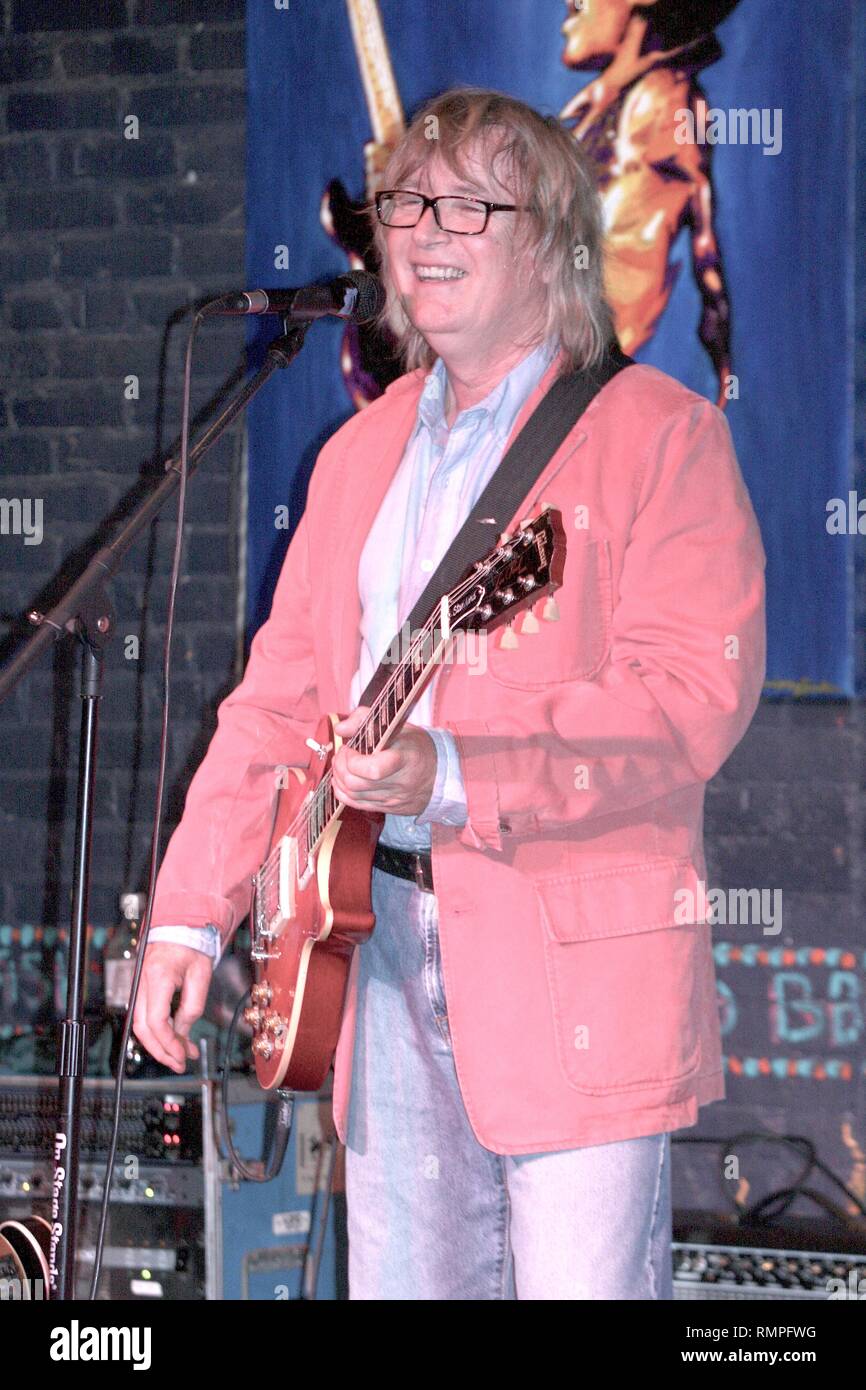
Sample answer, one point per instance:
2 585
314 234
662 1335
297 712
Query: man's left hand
398 779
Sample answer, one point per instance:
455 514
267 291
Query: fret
511 572
399 688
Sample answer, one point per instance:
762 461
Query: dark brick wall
102 239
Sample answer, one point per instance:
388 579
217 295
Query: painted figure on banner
653 184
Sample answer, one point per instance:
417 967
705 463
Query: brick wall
102 238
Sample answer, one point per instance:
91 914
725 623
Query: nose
427 228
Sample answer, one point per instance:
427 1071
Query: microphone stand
87 613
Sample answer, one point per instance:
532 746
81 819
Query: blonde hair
551 177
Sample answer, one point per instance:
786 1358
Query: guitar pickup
288 877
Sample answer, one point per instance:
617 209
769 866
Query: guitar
311 901
367 358
25 1249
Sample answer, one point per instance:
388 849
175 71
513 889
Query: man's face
594 30
499 293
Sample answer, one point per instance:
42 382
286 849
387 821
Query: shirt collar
500 408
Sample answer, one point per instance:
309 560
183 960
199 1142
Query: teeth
439 272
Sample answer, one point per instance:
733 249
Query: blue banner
724 150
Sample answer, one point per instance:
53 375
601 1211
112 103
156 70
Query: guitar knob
274 1024
253 1017
261 994
550 611
263 1047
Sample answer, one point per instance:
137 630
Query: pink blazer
582 1007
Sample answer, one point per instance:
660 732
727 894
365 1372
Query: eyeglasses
400 207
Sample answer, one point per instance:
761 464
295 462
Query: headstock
512 576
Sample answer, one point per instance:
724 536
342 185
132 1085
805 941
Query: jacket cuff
447 804
195 910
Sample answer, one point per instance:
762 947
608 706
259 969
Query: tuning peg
530 622
509 638
550 611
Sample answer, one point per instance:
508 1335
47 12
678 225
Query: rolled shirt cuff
204 939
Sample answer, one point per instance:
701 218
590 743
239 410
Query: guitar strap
553 418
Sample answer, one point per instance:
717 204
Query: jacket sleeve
447 803
223 834
683 672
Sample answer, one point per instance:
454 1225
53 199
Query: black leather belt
404 863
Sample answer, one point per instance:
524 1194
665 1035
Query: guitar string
316 807
311 811
269 872
270 868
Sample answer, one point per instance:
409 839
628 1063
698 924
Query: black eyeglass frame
434 204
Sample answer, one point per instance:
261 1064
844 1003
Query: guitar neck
398 687
511 576
377 74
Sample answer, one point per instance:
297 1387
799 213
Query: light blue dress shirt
438 481
440 478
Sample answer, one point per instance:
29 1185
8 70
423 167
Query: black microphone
357 296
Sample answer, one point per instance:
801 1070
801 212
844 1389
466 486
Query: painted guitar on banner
311 898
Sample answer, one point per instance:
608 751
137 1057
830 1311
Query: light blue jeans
432 1214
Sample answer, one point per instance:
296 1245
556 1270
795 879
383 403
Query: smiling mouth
438 272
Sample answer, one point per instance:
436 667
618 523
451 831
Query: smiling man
531 1017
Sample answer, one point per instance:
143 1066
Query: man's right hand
168 968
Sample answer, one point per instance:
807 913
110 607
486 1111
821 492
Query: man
520 1041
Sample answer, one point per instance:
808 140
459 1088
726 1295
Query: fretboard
397 686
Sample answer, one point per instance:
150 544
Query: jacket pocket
575 646
623 960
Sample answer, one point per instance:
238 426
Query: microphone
356 296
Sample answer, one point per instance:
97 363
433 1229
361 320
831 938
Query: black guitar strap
548 425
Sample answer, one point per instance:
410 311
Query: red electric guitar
311 897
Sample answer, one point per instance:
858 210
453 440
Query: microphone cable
160 789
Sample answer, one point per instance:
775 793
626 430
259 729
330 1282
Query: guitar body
307 917
25 1249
